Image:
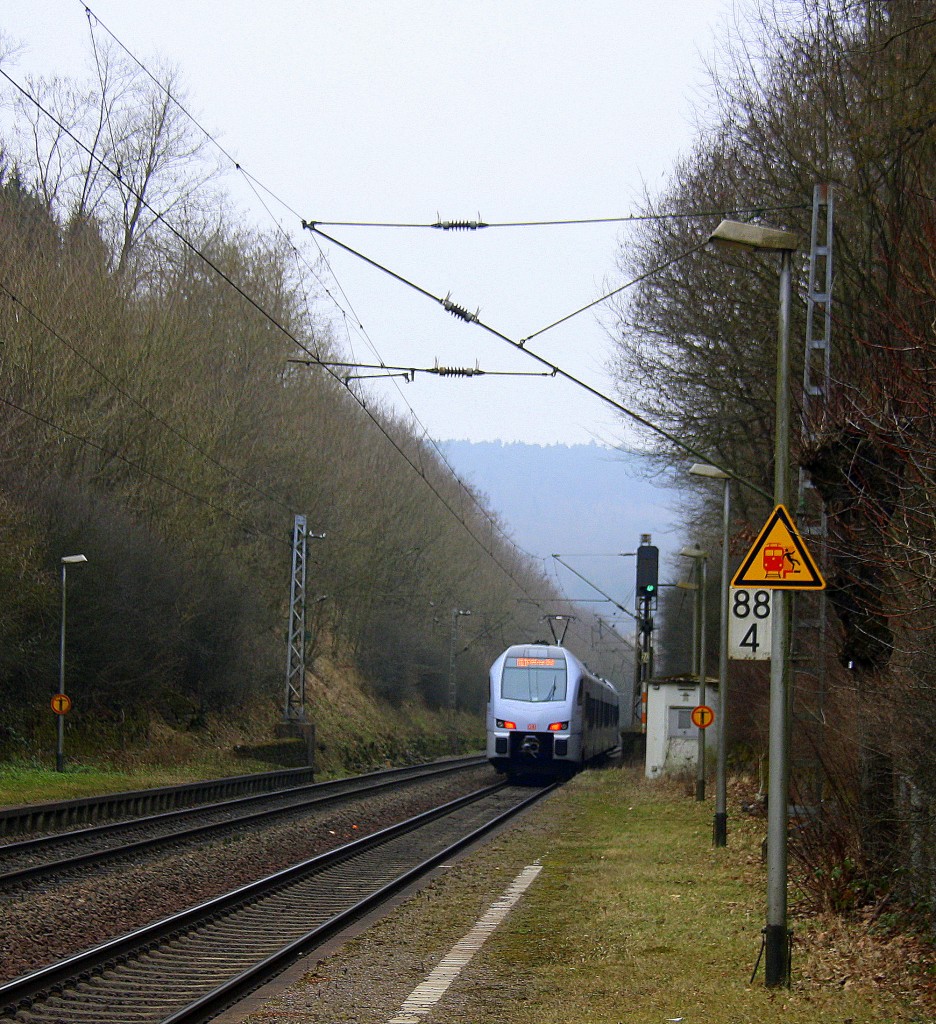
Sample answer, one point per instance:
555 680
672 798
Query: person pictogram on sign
794 562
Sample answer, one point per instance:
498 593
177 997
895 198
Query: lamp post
754 238
453 693
720 821
67 560
701 558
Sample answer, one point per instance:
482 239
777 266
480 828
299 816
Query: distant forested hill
570 499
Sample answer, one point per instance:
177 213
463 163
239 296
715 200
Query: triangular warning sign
779 558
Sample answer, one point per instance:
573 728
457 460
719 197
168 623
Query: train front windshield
534 679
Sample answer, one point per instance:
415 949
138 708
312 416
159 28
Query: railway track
55 855
188 967
58 815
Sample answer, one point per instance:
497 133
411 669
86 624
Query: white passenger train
548 714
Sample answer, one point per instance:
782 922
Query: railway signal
648 567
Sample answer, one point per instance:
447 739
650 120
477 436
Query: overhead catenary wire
440 371
554 367
187 243
352 322
466 491
631 218
254 184
478 223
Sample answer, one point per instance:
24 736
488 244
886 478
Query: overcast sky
403 111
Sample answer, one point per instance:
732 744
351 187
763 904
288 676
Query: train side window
680 722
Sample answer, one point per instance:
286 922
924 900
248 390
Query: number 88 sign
749 624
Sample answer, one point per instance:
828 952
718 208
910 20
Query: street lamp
720 821
701 558
67 560
456 612
755 238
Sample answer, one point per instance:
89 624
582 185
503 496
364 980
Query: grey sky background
409 110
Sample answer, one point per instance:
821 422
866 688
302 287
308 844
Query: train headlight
502 724
558 726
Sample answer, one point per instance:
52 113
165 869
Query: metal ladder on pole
817 367
810 623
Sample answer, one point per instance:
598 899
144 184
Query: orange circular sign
61 703
702 716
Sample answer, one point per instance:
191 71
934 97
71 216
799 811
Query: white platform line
422 999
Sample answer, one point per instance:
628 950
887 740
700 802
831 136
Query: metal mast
809 659
294 709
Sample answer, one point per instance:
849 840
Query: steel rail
132 803
81 971
230 992
302 798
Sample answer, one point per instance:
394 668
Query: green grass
381 736
30 784
636 919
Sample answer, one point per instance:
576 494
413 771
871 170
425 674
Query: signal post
648 567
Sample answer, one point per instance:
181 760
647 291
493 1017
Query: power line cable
160 217
631 218
438 223
226 278
254 185
410 371
463 314
425 436
274 499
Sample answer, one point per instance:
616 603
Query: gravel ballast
45 923
367 979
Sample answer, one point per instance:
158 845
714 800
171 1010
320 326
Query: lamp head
703 469
753 237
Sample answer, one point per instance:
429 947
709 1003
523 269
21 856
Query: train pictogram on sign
778 561
779 558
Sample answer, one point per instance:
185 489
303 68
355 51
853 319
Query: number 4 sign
749 624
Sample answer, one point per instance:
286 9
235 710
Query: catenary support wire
556 369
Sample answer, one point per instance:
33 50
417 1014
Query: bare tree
118 149
840 92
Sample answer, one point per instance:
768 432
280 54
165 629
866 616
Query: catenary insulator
460 225
459 311
457 371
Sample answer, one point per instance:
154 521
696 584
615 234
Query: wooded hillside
839 94
151 419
